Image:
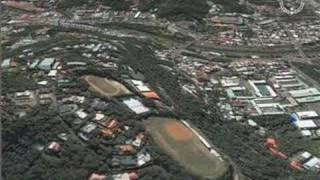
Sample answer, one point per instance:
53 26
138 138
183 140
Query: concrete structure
262 89
307 115
34 64
230 81
313 164
46 64
268 108
238 92
53 73
305 93
306 121
306 124
136 106
308 99
76 63
6 63
139 85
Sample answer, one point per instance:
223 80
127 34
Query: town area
105 90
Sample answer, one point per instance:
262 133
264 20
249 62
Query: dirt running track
107 87
182 145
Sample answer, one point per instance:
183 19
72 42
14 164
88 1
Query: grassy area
312 70
42 46
186 148
16 81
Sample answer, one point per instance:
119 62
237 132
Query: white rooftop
230 81
136 106
307 124
306 133
304 92
52 73
306 155
137 82
81 114
312 163
43 82
307 114
143 88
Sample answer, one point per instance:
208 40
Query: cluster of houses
254 88
92 119
267 32
124 176
308 122
279 90
305 160
200 72
98 120
263 30
105 13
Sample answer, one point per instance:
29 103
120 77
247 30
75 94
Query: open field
107 87
185 147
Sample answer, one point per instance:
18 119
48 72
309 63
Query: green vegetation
173 9
238 141
62 4
265 2
117 4
16 81
22 161
233 6
183 9
290 139
312 70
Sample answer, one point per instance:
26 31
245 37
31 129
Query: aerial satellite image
160 89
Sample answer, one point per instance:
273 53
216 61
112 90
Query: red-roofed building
54 147
295 165
126 149
95 176
106 133
271 143
133 176
112 124
151 95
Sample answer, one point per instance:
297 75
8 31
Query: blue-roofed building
46 64
293 118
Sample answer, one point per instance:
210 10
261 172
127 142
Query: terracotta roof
133 176
151 95
271 143
125 149
106 132
112 124
95 176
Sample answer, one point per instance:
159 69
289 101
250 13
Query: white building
262 89
136 106
304 93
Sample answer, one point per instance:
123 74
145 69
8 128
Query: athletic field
106 87
185 147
